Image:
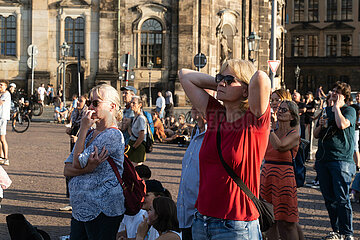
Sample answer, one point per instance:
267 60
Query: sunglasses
95 103
282 110
228 79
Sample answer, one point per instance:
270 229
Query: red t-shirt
243 145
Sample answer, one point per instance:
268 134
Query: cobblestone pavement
38 189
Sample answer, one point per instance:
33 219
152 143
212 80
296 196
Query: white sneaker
6 162
333 236
66 208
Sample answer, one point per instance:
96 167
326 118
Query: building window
346 44
346 9
331 10
313 10
151 43
7 36
313 46
299 9
74 35
331 43
298 45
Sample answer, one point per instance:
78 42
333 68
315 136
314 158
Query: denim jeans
210 228
101 228
335 179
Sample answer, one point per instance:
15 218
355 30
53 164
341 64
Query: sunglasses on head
95 103
228 79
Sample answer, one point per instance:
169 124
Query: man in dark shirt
334 160
302 109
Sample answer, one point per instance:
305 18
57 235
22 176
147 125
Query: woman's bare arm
259 93
194 84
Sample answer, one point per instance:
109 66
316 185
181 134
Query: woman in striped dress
277 182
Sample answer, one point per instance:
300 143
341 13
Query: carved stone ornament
150 10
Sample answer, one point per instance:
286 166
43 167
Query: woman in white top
136 152
163 217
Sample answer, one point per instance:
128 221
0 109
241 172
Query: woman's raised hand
95 158
87 121
143 228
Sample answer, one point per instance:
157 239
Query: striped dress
278 185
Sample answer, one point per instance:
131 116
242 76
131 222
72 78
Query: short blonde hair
283 94
243 70
108 93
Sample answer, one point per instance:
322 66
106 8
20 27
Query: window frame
74 43
312 45
152 51
313 13
330 47
348 10
331 10
5 28
297 47
347 47
299 11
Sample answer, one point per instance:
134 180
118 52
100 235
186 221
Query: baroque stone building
169 33
323 39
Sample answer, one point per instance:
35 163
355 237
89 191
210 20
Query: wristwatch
272 130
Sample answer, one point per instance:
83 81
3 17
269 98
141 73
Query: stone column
18 37
87 36
62 29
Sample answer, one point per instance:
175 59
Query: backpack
134 188
299 162
150 121
149 140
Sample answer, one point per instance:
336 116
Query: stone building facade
169 33
323 39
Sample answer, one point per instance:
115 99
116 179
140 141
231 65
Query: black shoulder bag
265 209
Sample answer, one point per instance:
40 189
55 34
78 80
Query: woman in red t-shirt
223 210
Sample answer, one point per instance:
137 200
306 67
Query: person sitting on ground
61 113
143 171
159 133
163 217
170 125
128 227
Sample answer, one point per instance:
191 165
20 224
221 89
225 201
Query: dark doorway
71 84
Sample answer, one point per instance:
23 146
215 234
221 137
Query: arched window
151 43
74 35
7 36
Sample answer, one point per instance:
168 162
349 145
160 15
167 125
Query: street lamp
64 53
253 44
297 75
150 66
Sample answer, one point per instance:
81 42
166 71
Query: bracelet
272 130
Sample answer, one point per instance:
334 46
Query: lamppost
253 44
64 53
297 75
150 66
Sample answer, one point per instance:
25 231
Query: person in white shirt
160 105
5 105
41 92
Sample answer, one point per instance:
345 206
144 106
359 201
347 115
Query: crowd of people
246 126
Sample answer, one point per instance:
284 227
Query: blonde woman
223 209
96 196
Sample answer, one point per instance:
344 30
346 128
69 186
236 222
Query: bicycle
20 120
36 107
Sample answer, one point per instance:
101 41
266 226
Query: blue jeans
335 179
101 228
210 228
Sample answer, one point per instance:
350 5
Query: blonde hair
283 94
243 71
108 93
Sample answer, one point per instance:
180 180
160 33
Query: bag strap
116 171
231 172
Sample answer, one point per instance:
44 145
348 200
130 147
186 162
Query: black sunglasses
228 79
95 103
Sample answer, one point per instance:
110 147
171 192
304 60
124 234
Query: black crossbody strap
229 170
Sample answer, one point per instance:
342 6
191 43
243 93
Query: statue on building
225 50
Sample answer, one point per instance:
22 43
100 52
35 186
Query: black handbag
266 210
